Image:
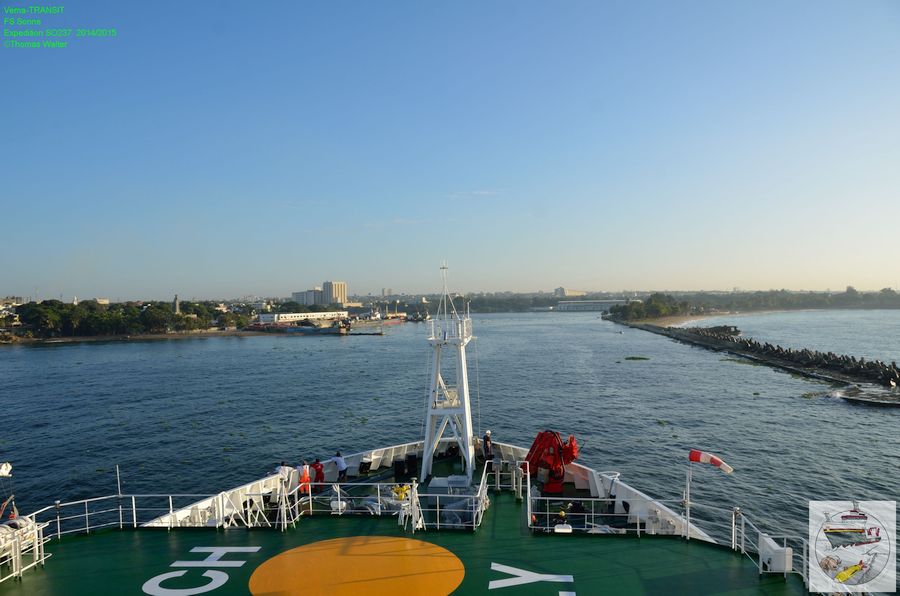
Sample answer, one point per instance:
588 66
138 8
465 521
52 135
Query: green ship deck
369 555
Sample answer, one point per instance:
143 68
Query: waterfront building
566 293
588 305
12 301
312 297
334 292
331 292
290 317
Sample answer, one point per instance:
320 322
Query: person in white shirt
284 470
341 466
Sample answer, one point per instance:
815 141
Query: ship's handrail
16 546
278 501
374 459
599 516
453 328
95 513
441 511
741 534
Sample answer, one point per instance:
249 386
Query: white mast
448 405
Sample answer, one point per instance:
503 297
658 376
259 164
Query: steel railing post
58 527
805 571
133 512
743 534
687 504
16 557
119 494
735 512
340 506
41 543
87 519
171 513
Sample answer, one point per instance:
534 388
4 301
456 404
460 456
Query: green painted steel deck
122 561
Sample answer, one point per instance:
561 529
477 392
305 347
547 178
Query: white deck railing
450 329
277 502
21 547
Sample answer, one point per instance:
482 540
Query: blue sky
218 149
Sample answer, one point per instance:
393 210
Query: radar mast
449 410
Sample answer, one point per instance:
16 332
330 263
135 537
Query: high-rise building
334 292
385 292
176 305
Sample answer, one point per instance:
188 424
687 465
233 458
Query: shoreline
680 320
21 341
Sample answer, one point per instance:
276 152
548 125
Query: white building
567 293
290 317
589 305
309 297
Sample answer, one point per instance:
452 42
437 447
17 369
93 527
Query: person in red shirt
319 469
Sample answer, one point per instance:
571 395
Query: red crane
548 457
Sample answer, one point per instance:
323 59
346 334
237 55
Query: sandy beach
681 320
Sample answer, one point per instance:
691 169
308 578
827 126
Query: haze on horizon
216 150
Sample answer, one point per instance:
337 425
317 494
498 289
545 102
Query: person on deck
319 468
284 470
341 466
303 471
560 519
487 448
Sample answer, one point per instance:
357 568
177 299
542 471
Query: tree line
663 305
655 306
52 318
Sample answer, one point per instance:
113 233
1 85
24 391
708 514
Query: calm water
867 333
202 415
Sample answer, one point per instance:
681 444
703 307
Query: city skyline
400 294
594 145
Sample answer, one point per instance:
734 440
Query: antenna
446 305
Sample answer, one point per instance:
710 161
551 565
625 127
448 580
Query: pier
831 367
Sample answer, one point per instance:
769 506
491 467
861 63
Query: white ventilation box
774 558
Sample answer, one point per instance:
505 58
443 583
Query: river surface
202 415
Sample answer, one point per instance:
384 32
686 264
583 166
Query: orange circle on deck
360 565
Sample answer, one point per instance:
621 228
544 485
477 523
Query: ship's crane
548 457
